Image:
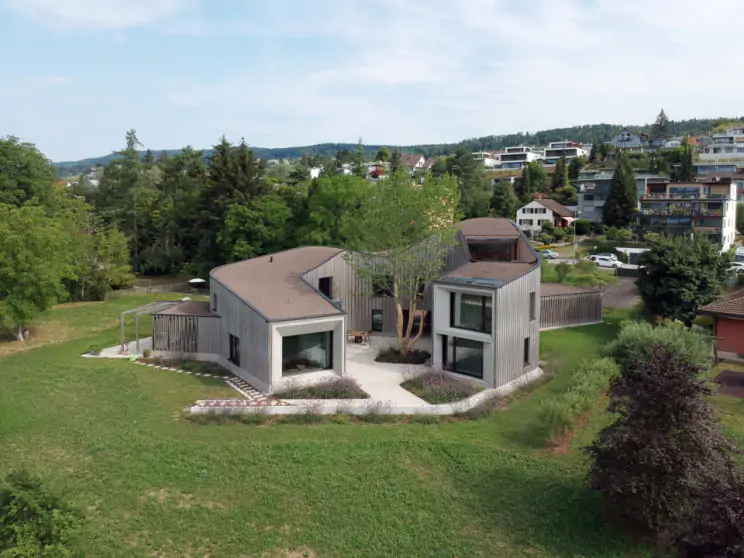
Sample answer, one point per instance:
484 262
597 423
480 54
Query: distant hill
586 134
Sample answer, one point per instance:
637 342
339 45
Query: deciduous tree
560 175
383 154
406 233
678 275
504 203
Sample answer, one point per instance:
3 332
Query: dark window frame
214 302
486 324
376 311
533 306
325 286
526 356
234 349
453 368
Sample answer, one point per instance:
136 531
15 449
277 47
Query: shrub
437 387
94 349
558 234
636 340
666 445
589 381
562 270
146 353
583 226
484 410
392 354
339 388
34 523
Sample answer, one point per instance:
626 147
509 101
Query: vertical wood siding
239 319
513 325
572 309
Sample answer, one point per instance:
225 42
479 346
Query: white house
413 162
723 147
673 143
315 172
568 149
518 157
531 217
486 159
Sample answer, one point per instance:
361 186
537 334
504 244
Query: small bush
436 387
34 523
146 353
589 381
340 388
94 349
562 270
583 226
392 354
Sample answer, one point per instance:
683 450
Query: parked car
594 257
549 254
604 261
736 267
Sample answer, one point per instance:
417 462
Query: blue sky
76 74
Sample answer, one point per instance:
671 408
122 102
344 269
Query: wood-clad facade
490 261
570 309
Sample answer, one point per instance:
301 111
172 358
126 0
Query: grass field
110 436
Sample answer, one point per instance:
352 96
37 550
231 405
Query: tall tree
666 444
660 126
256 229
359 167
25 173
594 152
383 154
36 256
534 180
620 206
560 174
503 202
406 232
686 172
476 187
678 275
396 161
576 166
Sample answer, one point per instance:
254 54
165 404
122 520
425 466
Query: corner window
234 354
526 351
376 320
471 312
462 356
382 285
307 353
533 306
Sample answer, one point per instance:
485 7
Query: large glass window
463 356
471 312
308 352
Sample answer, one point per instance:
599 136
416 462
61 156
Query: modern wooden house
284 317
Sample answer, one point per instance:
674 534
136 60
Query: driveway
624 294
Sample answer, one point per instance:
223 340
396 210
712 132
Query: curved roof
272 284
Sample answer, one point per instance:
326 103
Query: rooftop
732 306
272 285
488 227
492 274
555 207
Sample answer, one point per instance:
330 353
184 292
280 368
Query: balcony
680 212
666 196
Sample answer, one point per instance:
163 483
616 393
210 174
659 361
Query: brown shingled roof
272 285
500 271
555 207
732 307
488 226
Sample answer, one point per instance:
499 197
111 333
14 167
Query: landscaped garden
111 438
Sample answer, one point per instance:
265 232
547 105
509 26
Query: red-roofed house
728 323
413 162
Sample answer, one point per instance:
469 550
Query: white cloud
97 14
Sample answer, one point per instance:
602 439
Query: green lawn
110 436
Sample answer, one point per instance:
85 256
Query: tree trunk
409 328
19 334
420 332
399 326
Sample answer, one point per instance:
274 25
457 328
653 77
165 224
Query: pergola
151 308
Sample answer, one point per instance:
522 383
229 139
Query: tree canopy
620 206
678 275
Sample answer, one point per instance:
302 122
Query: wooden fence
572 309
